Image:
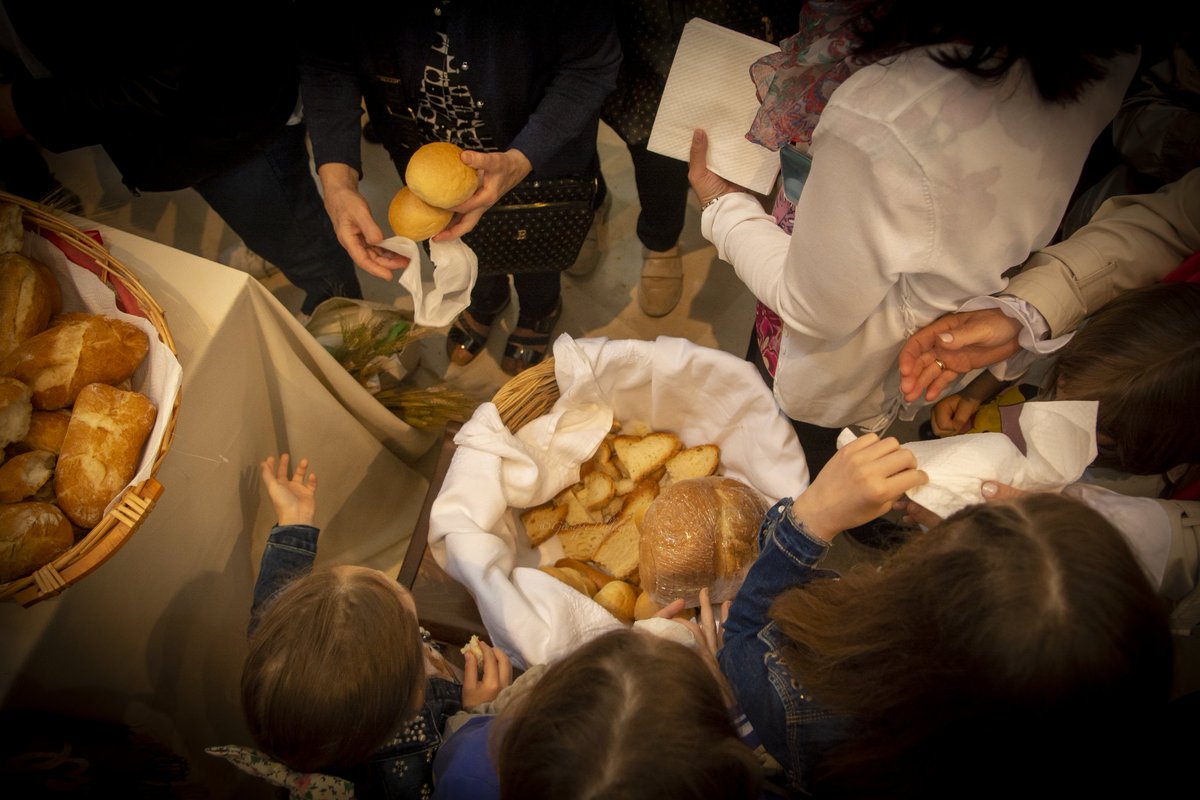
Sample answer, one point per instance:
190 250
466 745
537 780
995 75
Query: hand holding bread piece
80 349
101 450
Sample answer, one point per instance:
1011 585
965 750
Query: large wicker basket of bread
89 392
607 482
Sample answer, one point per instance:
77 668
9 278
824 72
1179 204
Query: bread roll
46 430
101 450
22 476
437 175
413 218
699 532
573 578
16 411
81 349
31 536
29 297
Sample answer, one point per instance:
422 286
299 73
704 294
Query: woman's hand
352 221
859 483
952 415
706 183
961 343
497 674
295 498
499 173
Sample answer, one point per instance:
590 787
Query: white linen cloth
450 272
709 87
1060 439
701 394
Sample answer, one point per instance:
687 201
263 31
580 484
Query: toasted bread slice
618 553
694 462
582 541
577 512
597 490
637 501
640 456
542 522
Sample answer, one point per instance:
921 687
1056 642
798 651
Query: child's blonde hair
334 668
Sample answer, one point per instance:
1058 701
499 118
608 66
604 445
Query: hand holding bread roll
79 350
436 180
101 450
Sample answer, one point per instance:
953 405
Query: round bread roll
437 175
699 532
21 476
31 536
413 218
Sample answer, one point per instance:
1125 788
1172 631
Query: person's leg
539 295
469 334
662 194
271 201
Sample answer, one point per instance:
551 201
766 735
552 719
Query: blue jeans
271 201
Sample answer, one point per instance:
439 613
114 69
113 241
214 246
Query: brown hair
335 666
1139 357
1012 635
627 715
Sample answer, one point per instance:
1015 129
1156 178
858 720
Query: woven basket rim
99 544
527 395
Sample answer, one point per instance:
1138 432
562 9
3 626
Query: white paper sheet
709 87
441 293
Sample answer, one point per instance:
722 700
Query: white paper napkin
709 87
440 289
1060 439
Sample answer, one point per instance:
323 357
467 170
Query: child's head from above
1010 625
1139 357
626 715
335 666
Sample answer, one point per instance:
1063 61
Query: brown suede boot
662 281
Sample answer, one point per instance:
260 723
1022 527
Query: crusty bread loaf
29 297
700 532
79 350
437 175
46 430
21 476
16 410
101 450
31 536
413 218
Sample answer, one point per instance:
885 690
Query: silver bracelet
709 202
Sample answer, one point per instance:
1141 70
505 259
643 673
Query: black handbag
538 226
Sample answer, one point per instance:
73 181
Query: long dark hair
1064 43
1010 636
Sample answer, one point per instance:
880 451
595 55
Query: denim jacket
403 767
793 729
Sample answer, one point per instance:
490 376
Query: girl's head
627 715
1139 357
1012 635
335 666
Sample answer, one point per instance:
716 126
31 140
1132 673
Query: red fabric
125 299
1187 272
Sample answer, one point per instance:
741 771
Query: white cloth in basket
701 394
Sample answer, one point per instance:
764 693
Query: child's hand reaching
953 414
294 499
497 674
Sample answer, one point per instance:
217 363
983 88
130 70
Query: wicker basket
132 509
527 396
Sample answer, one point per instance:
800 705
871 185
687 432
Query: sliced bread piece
542 522
694 462
640 456
618 553
582 541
